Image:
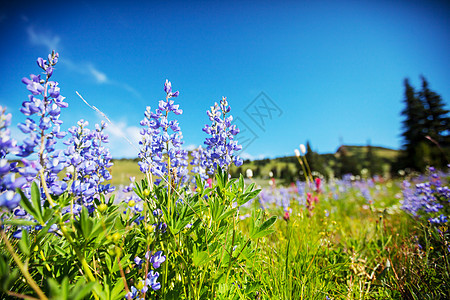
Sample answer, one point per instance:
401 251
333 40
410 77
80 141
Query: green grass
358 251
123 169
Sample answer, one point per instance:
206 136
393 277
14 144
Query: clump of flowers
161 153
199 163
150 282
222 145
429 199
8 181
90 161
42 126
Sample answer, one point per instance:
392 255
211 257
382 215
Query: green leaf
268 223
249 188
36 199
118 291
241 182
24 243
248 196
45 229
26 204
59 250
264 230
81 290
263 233
226 214
253 287
200 258
20 222
124 262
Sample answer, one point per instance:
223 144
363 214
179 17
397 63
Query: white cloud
190 147
53 42
98 75
88 68
245 155
46 39
123 140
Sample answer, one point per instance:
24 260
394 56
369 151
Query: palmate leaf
248 196
67 291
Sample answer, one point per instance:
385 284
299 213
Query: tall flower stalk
161 154
90 161
44 103
221 146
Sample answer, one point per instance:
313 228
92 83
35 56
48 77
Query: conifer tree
413 126
426 135
315 161
437 124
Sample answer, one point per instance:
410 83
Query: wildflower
302 149
221 145
162 139
317 182
157 259
8 180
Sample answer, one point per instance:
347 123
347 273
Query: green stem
303 168
309 170
81 258
22 268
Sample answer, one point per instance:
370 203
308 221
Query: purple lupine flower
427 199
42 125
439 220
9 199
157 259
152 280
199 162
161 140
90 161
8 181
221 145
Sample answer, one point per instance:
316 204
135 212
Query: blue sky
331 71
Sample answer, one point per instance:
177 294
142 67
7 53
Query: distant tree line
426 142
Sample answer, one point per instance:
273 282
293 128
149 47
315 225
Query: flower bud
302 149
102 207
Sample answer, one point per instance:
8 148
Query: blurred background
332 73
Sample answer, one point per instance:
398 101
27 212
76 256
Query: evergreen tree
437 124
347 163
315 161
413 126
426 139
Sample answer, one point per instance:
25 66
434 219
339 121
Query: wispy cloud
52 41
119 145
89 69
98 75
190 147
46 39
